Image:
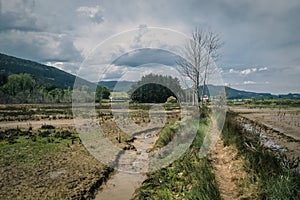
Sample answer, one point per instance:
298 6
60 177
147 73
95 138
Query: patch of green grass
26 151
25 147
167 134
275 181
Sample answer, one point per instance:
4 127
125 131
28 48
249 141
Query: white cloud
248 71
94 13
59 65
245 72
249 82
263 69
232 71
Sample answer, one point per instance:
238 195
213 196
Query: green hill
41 73
61 79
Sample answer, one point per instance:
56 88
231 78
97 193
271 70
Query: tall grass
275 181
166 135
187 178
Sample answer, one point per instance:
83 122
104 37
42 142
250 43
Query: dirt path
229 172
227 168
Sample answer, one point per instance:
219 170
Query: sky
261 38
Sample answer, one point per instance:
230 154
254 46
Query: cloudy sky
261 50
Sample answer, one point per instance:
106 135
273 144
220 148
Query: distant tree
102 92
3 79
155 89
198 54
56 95
20 86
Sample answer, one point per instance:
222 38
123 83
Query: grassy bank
187 178
274 179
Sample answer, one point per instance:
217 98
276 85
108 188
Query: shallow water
121 186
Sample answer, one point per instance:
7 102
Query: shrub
171 99
47 126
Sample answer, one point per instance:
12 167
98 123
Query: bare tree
199 52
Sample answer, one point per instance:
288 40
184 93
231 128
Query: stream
122 185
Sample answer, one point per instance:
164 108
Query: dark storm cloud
18 16
146 56
25 33
254 32
40 47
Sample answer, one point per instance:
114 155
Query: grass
47 166
25 151
187 178
275 180
25 147
167 134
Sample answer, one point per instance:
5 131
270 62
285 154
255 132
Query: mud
284 147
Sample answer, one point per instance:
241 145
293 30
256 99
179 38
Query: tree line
23 88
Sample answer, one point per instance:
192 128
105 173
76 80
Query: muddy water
123 184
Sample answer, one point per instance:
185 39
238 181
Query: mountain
61 79
123 86
42 73
240 94
231 93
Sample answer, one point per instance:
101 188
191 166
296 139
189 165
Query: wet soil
68 174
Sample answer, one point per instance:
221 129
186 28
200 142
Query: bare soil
284 120
69 174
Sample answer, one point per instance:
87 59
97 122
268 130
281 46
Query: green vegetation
167 134
43 74
171 99
155 89
187 178
102 93
47 163
266 103
23 88
27 146
275 180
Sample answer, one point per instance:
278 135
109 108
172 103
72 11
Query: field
42 155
